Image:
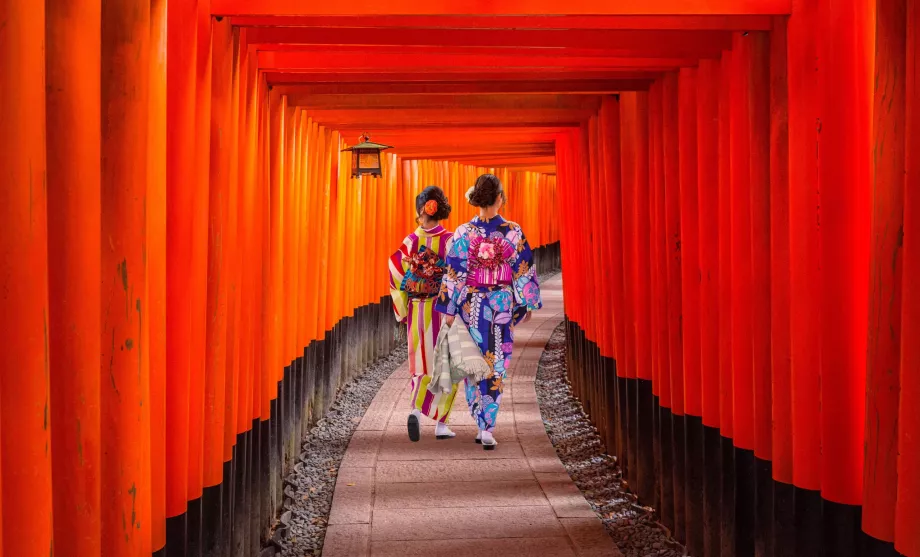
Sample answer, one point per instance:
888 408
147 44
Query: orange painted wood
521 41
609 132
742 344
844 166
760 186
73 60
628 163
907 510
181 170
536 21
707 146
341 62
411 89
726 386
659 267
672 215
883 371
218 254
642 242
125 396
780 262
25 417
689 239
155 334
380 79
199 256
804 234
513 7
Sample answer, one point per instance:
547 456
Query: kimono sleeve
453 284
399 265
526 285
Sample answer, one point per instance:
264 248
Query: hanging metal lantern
365 157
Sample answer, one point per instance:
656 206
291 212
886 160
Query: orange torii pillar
25 426
707 133
690 428
805 273
74 244
907 510
845 174
125 395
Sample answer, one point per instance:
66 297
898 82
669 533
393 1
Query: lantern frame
362 149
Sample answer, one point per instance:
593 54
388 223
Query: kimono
415 280
492 284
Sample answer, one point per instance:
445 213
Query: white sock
442 429
487 437
416 413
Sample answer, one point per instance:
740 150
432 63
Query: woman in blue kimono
492 284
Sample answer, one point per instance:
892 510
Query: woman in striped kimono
492 283
415 280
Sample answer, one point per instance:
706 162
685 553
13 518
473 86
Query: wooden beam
369 60
507 7
677 43
460 102
483 76
414 117
698 22
414 89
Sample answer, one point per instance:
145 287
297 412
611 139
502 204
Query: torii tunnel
188 271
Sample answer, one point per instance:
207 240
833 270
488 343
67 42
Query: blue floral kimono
491 282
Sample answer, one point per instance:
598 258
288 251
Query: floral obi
423 278
489 262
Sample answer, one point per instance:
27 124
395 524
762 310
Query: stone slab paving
395 498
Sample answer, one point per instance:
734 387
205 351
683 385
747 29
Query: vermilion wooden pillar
125 470
707 116
73 150
690 307
759 115
880 476
803 32
783 511
156 270
844 166
198 282
741 304
25 363
726 382
181 173
675 338
907 511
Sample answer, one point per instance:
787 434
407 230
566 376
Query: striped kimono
415 280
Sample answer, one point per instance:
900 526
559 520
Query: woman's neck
428 224
488 213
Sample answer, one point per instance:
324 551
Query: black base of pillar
193 528
693 490
666 510
783 520
645 459
712 491
842 525
679 472
763 512
745 502
809 523
177 536
211 502
729 520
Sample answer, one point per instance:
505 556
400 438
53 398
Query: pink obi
489 262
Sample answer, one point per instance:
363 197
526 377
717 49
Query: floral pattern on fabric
491 283
423 278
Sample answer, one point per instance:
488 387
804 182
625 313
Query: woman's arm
526 285
398 266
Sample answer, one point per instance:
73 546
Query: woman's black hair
437 194
486 191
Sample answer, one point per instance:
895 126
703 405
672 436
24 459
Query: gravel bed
633 527
322 452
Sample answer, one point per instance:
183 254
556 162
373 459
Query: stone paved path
394 498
